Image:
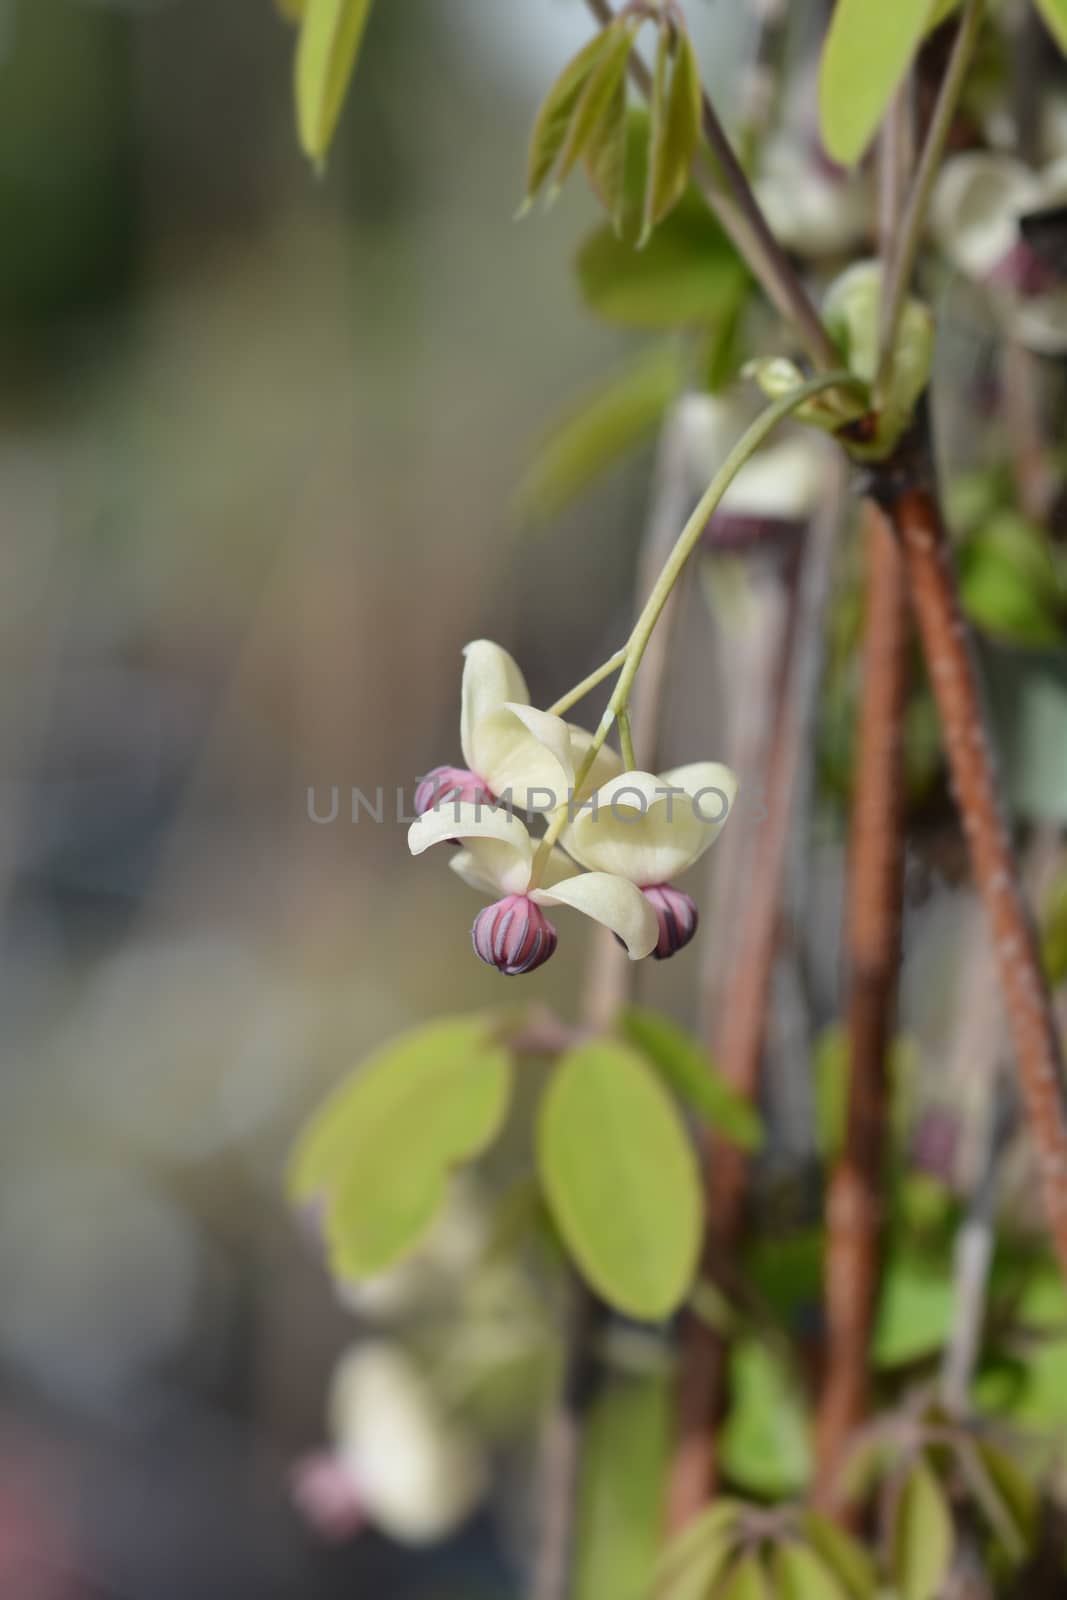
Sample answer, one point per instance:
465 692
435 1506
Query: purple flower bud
677 917
1023 270
447 785
514 935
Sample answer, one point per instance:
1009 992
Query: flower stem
626 740
686 543
898 280
580 690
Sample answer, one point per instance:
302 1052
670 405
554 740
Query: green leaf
378 1154
867 52
694 1559
621 1179
611 420
1028 705
676 115
624 1463
557 109
291 10
747 1581
683 1064
923 1537
1054 13
597 98
843 1555
914 1312
1054 931
1018 1494
1009 582
799 1574
330 37
766 1440
605 157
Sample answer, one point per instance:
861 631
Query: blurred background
259 436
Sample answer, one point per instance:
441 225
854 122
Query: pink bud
326 1494
514 935
447 785
677 917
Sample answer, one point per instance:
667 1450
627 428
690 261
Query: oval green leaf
676 113
621 1179
620 1501
377 1156
923 1536
1054 14
845 1556
330 36
799 1574
867 52
557 110
695 1558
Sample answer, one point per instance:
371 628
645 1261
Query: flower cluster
631 832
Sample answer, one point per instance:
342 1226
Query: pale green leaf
676 115
377 1156
1054 13
684 1064
800 1574
845 1557
621 1179
747 1580
605 425
624 1462
1018 1494
922 1537
291 10
694 1559
867 52
766 1441
598 95
914 1311
605 157
557 109
330 36
1054 930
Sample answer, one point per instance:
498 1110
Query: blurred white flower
399 1461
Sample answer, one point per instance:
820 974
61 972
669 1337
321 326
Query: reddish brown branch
854 1203
934 595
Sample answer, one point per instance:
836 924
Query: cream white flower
509 746
498 859
976 211
399 1461
649 830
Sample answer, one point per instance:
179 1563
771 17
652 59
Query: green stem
617 709
580 690
626 740
915 212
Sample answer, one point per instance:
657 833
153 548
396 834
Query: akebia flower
498 858
398 1461
984 215
511 749
650 830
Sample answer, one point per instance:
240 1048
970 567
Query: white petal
606 764
782 483
613 901
490 678
1040 323
496 840
466 864
650 829
977 202
526 754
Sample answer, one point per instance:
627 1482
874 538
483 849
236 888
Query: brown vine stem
742 219
608 983
953 676
854 1201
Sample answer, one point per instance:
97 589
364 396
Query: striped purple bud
514 935
677 917
447 785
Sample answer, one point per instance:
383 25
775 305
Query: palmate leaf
376 1157
598 96
923 1536
675 127
620 1512
605 157
330 36
694 1559
556 113
867 52
621 1179
800 1574
845 1557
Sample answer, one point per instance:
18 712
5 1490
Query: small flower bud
677 917
447 785
514 935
